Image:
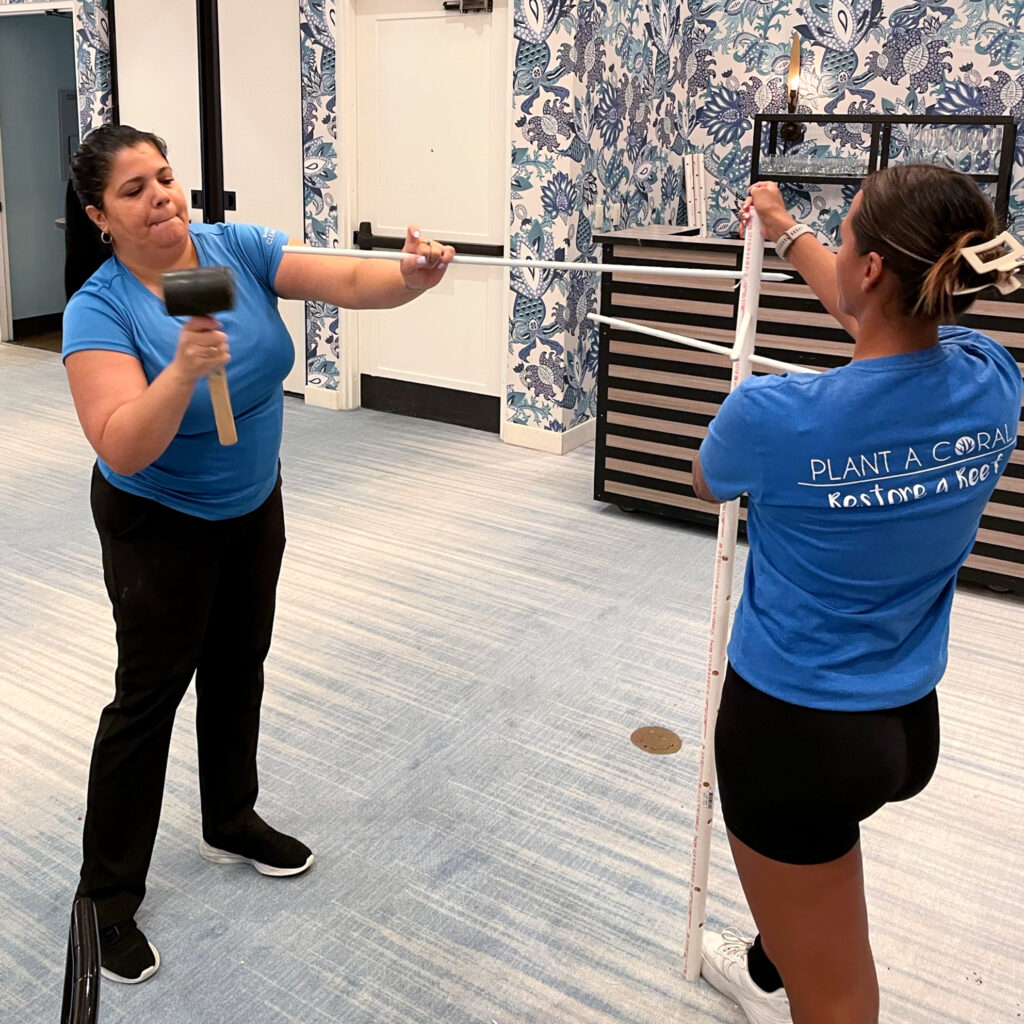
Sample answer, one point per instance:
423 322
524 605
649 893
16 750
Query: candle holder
792 131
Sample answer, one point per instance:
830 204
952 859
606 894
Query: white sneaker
724 965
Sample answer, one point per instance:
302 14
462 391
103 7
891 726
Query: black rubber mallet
206 291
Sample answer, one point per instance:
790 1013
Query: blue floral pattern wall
610 95
598 138
858 56
92 55
320 162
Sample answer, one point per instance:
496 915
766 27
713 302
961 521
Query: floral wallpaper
320 161
597 144
858 56
92 54
609 94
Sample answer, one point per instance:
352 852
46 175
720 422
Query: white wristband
787 238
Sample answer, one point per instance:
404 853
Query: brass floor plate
656 740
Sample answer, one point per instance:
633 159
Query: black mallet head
199 292
202 292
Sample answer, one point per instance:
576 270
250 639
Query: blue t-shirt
866 487
196 474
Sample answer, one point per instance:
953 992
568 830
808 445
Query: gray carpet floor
465 641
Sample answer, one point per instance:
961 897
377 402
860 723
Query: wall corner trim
556 443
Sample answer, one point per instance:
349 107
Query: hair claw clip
1002 256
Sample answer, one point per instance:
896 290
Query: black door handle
469 6
364 238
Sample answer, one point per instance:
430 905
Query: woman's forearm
363 283
377 284
816 264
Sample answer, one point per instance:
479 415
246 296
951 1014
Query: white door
431 146
158 91
261 125
158 81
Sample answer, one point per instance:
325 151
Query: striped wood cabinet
655 399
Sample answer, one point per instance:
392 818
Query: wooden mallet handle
204 291
222 413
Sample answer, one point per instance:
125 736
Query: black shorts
795 782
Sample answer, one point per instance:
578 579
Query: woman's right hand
202 349
766 198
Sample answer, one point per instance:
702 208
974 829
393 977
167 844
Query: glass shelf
841 149
845 179
816 167
814 179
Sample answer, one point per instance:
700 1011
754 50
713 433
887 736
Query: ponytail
91 164
950 274
84 250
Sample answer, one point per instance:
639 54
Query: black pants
190 596
796 782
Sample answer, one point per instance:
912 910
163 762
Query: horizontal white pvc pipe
704 346
496 261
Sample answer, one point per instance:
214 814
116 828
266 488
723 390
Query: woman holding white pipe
192 533
866 486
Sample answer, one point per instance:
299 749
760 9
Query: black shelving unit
881 126
655 398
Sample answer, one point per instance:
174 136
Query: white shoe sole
147 973
215 856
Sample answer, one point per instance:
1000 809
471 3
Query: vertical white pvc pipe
721 605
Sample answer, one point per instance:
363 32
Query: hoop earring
106 238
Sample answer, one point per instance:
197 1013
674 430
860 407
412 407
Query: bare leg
813 922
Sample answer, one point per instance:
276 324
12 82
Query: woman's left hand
766 198
427 261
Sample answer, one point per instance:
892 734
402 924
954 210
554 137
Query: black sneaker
270 852
126 955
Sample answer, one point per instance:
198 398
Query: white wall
158 80
261 127
36 60
261 123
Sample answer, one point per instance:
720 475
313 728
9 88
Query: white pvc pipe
742 356
495 261
721 603
704 346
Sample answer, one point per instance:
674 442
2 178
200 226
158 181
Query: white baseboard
555 442
324 398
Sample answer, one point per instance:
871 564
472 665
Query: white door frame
6 305
6 317
510 68
347 109
347 112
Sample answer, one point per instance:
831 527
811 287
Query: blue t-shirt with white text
866 485
197 475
